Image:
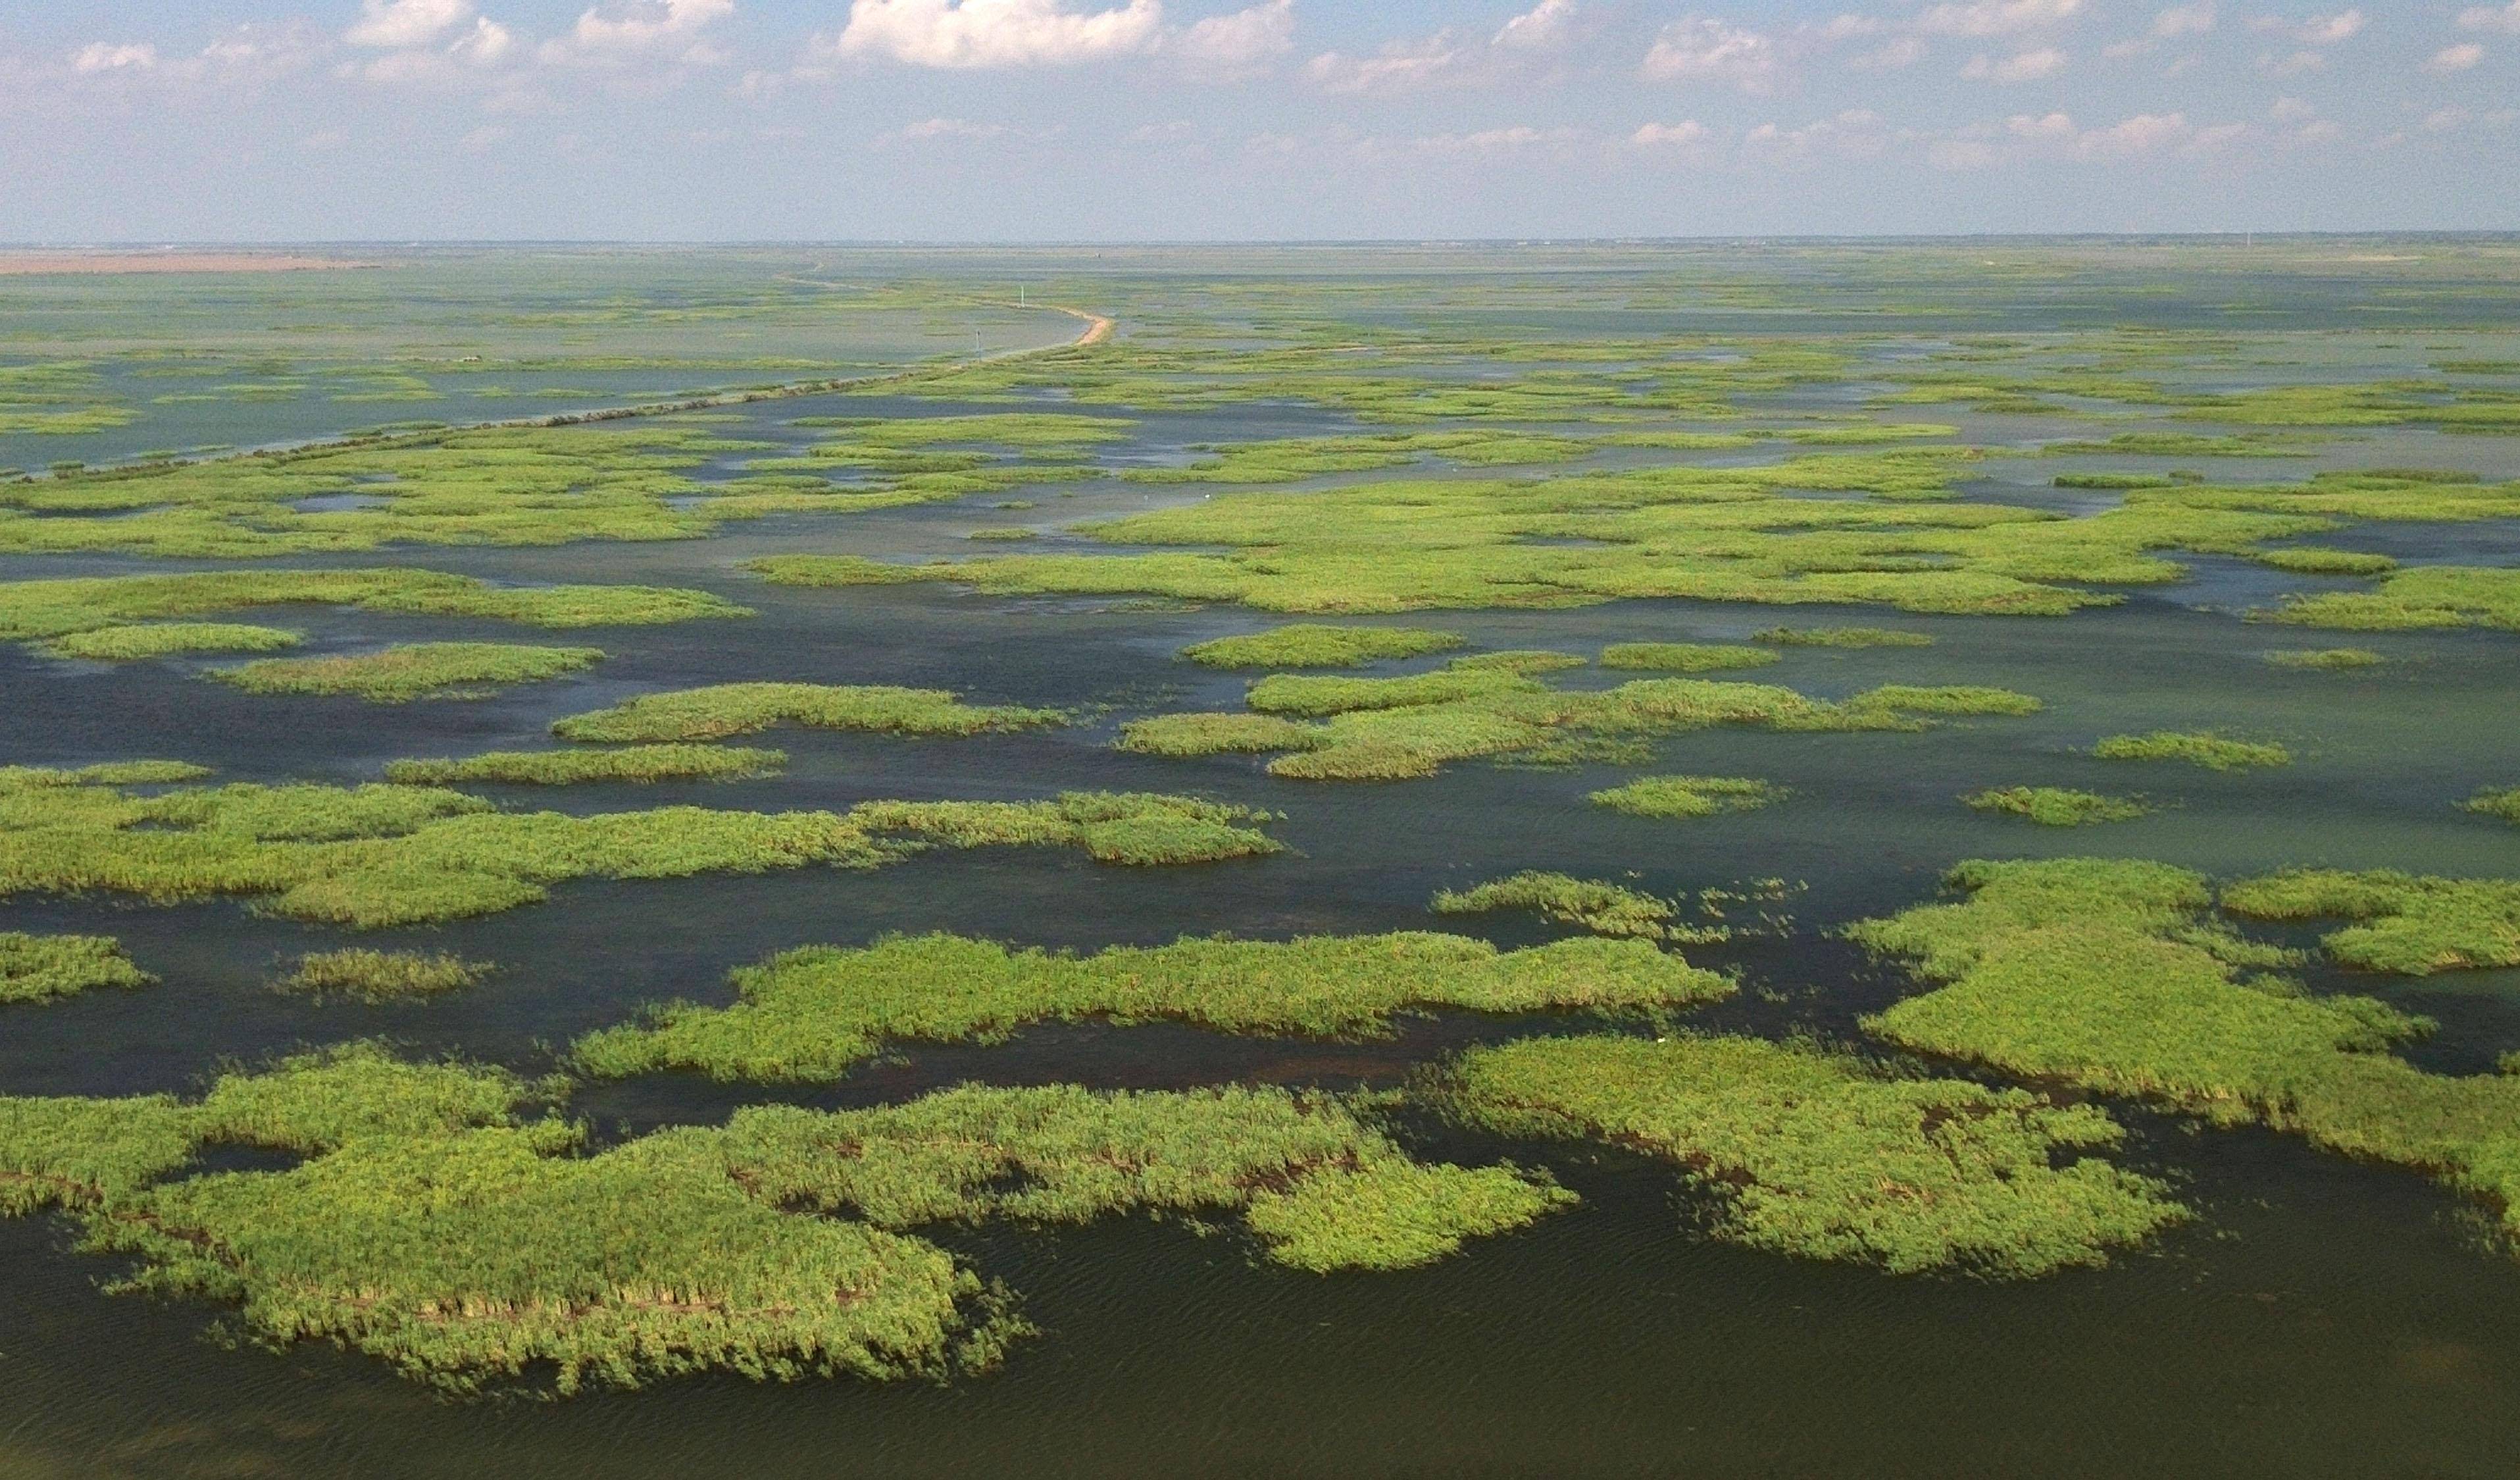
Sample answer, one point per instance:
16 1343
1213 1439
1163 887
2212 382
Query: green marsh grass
724 711
2405 923
1841 637
2112 975
1685 797
379 856
125 645
2214 752
1684 657
2428 596
42 968
814 1013
2503 804
414 671
380 977
1313 644
1814 1154
2057 806
2332 660
563 768
1605 909
437 1227
50 610
1401 729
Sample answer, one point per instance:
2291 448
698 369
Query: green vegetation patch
1401 729
1313 644
2503 804
1605 909
437 1228
2409 924
1816 1155
125 645
1685 797
379 856
2196 747
2112 975
813 1013
2058 807
1320 1188
414 671
1841 637
2307 560
1684 657
563 768
380 977
34 610
730 709
41 967
2427 596
2325 658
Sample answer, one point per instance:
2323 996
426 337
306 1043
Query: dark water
2318 1318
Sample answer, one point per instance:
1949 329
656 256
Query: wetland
1589 859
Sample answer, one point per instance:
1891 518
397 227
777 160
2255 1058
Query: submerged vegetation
2057 806
2113 976
1814 1154
379 976
815 1012
417 671
41 967
731 709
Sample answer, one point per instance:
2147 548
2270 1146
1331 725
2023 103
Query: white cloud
1240 40
394 25
2291 110
2143 134
2486 17
2183 21
1995 17
624 28
2023 66
1890 56
2455 59
1855 134
1705 50
113 57
1550 23
997 34
1686 132
1402 65
1483 144
951 128
2329 30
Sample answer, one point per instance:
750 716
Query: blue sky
1003 120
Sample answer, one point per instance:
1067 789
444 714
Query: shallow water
2318 1318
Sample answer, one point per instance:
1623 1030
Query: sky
1133 120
